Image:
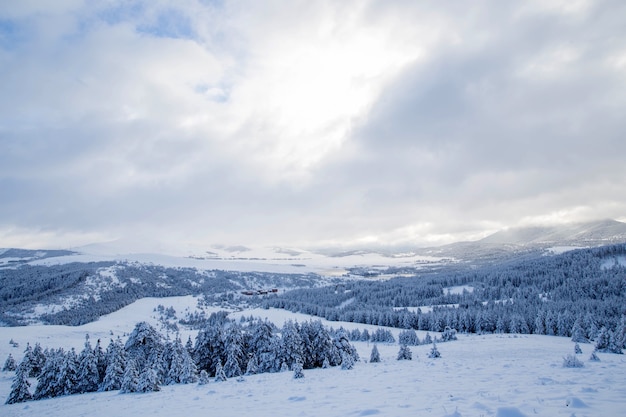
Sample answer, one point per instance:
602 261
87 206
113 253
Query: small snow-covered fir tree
427 339
603 340
9 365
20 389
325 364
67 376
204 378
297 370
594 357
220 375
231 367
47 381
578 333
284 367
189 373
375 355
448 334
252 367
148 381
405 353
434 352
347 362
577 349
130 379
571 361
88 377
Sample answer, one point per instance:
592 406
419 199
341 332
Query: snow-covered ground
490 375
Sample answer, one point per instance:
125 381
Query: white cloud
307 122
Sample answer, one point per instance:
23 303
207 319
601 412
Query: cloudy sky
307 122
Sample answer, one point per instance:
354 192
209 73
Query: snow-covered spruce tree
37 361
88 377
577 349
115 358
578 333
571 361
68 374
374 356
252 367
347 362
342 345
427 339
209 347
9 365
204 378
220 375
326 364
408 337
594 357
47 382
148 380
284 367
144 345
101 362
262 342
291 344
189 373
297 370
448 334
131 378
434 352
404 353
20 389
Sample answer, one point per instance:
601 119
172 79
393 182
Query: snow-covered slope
491 375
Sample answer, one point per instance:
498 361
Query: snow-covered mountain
579 234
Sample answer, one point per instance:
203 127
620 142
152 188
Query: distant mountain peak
587 233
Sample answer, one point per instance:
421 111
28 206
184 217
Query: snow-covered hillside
477 375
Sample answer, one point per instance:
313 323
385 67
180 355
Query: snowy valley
538 333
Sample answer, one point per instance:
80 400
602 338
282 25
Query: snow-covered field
490 375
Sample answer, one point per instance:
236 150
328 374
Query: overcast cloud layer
307 122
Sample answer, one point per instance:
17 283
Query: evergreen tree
20 388
101 362
220 375
144 345
114 375
374 356
252 367
130 379
603 340
292 344
347 362
577 349
578 334
284 367
204 378
434 352
404 353
48 385
297 370
10 365
37 360
427 339
189 346
594 357
148 381
189 373
115 358
68 374
325 364
88 377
